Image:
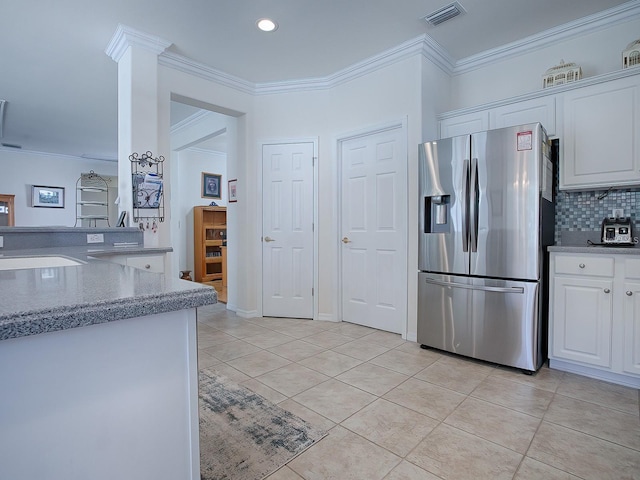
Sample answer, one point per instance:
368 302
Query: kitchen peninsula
98 361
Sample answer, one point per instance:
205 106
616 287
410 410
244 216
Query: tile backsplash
584 211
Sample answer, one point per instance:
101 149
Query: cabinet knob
582 265
606 290
147 266
629 293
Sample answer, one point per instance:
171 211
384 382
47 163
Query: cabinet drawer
584 265
150 263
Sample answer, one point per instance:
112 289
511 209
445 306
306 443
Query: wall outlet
617 212
95 238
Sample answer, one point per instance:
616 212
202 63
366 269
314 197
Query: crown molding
369 65
124 37
191 67
423 45
433 51
613 16
23 151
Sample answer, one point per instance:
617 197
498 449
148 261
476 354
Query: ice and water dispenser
436 212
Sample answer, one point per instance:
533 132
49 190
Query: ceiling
61 87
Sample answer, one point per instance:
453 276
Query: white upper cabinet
601 134
464 124
541 110
597 120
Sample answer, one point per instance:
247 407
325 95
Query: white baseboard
246 313
327 317
626 380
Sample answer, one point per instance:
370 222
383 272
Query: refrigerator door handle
475 287
465 206
473 202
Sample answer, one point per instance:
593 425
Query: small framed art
49 197
233 194
211 185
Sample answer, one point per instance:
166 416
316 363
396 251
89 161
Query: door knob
606 290
346 240
629 293
269 239
581 265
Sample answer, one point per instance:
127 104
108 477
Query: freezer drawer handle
475 287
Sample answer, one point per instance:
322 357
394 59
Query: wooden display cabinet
210 247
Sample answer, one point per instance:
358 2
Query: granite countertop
594 249
578 242
39 300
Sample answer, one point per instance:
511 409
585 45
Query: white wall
390 94
241 215
19 170
597 53
191 164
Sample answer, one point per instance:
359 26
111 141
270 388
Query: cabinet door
541 110
601 133
631 308
464 124
582 320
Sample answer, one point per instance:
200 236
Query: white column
137 56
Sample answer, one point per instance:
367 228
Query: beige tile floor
397 412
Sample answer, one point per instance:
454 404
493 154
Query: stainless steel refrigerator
487 215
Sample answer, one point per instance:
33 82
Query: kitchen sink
42 261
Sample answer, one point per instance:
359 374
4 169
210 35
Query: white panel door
374 229
287 230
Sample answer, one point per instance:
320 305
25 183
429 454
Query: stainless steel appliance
487 214
617 231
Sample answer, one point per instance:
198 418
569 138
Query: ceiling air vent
444 13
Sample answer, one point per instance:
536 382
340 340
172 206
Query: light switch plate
618 212
1 241
95 238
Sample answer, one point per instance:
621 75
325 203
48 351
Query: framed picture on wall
233 194
49 197
211 185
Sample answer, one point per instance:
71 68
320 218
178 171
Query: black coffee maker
617 231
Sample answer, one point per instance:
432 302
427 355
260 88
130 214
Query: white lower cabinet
594 317
583 319
632 327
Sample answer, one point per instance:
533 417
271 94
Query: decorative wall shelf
92 201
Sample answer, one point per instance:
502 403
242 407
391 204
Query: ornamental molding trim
422 45
125 37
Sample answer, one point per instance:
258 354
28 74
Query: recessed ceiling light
267 25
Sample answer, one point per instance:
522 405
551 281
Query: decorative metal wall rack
148 189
